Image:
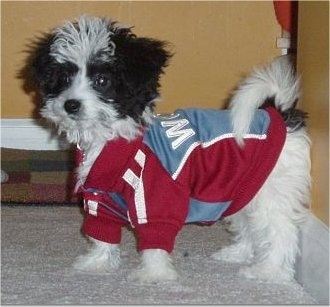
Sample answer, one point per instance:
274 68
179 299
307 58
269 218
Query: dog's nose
72 106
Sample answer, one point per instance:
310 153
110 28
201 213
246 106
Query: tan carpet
39 245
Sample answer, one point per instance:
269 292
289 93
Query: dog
248 164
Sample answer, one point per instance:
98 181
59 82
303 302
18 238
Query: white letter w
177 132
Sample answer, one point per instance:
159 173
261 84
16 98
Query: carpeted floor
39 245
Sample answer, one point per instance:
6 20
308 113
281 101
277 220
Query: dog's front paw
147 275
102 258
236 253
156 266
267 273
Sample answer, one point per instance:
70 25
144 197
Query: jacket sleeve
158 205
104 218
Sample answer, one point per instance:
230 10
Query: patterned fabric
38 177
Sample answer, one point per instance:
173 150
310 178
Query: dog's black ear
141 59
37 63
40 59
137 66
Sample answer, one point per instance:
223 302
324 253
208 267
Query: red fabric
260 165
218 173
102 228
284 14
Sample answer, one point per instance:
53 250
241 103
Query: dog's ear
141 59
36 67
40 60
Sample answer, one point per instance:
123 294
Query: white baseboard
30 134
313 264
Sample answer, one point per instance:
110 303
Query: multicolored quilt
38 177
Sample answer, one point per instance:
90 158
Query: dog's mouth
57 115
76 123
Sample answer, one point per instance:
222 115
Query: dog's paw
156 266
265 272
102 258
146 275
236 253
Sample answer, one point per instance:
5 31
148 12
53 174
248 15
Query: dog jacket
184 168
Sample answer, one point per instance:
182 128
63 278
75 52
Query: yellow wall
313 65
215 43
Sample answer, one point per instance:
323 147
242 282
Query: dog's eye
65 79
100 81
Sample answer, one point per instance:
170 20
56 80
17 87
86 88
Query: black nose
72 106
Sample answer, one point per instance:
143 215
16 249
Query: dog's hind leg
241 250
274 237
277 211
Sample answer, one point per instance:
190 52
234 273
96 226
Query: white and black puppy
249 164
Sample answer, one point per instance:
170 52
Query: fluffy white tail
276 80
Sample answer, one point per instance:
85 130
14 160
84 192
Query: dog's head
98 79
